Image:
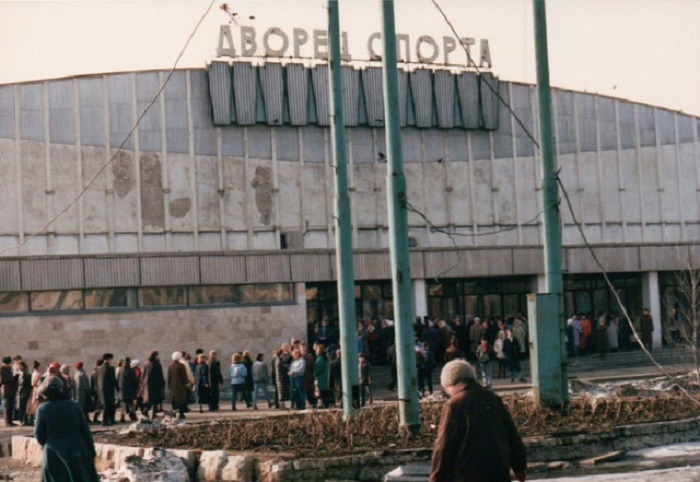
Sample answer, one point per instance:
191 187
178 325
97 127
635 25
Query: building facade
210 224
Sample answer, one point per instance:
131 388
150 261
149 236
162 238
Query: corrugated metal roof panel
422 94
443 263
373 91
268 268
319 77
489 87
351 96
9 276
311 267
51 274
372 266
92 114
468 90
111 272
31 112
245 92
445 98
223 269
170 271
220 92
417 263
121 117
273 92
7 112
403 97
622 258
297 94
528 260
61 112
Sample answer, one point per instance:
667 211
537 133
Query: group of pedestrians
605 333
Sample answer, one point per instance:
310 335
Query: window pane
311 294
371 292
512 304
57 300
471 288
112 298
434 290
387 290
163 296
14 302
471 305
211 295
266 293
388 309
515 286
492 305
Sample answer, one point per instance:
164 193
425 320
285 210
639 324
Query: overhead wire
104 165
578 225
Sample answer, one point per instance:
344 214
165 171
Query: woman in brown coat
153 384
177 383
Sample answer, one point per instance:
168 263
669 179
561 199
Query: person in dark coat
201 381
107 385
282 363
10 384
511 349
153 384
128 390
336 377
177 383
216 378
94 388
646 328
477 440
25 391
249 383
64 434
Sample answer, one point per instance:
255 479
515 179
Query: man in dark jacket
477 440
9 383
106 388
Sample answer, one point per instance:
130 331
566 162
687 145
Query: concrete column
541 283
652 300
420 298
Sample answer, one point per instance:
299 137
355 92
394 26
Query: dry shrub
324 433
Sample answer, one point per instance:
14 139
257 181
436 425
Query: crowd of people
297 376
605 333
496 341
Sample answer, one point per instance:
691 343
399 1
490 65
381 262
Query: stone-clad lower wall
628 437
373 466
85 337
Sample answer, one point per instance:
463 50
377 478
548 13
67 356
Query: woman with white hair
477 440
177 383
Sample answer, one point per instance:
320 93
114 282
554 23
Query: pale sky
643 50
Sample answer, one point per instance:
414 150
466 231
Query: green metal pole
409 421
343 222
550 203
